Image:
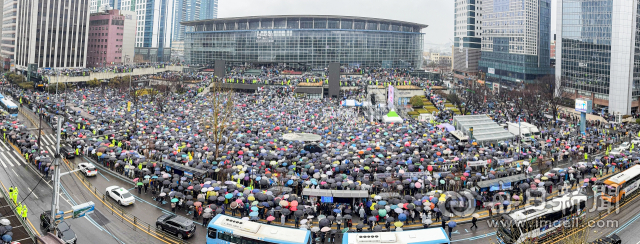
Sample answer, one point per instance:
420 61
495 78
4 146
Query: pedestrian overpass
109 75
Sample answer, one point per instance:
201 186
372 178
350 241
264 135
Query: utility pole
55 201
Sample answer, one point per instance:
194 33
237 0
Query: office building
466 51
208 9
96 5
107 32
8 41
154 19
52 33
515 38
313 41
597 52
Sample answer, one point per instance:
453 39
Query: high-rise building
189 10
153 29
515 40
598 52
52 33
208 9
8 43
184 10
95 5
466 51
107 33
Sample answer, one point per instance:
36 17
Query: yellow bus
622 184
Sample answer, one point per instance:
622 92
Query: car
177 225
67 152
635 141
63 228
88 169
624 146
615 152
120 195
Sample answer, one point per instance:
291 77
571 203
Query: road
145 208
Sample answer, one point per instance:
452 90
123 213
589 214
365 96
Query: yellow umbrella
398 224
372 206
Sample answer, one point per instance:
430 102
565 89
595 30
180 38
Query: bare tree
219 124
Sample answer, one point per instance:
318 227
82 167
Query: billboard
83 209
584 105
491 71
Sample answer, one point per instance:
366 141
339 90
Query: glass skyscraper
466 51
313 41
598 52
515 40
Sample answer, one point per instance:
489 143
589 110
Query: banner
477 163
390 96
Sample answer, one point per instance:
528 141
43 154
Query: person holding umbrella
450 226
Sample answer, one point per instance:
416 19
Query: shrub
416 102
26 85
413 113
93 83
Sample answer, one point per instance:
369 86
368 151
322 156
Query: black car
67 152
63 228
177 225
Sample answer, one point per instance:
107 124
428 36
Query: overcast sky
438 14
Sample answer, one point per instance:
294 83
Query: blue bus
9 106
420 236
224 229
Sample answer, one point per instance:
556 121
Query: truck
524 130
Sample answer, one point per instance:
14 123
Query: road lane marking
7 159
103 176
15 173
32 192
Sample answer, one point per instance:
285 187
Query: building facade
52 33
208 9
96 5
313 41
106 38
467 42
154 25
9 25
598 52
515 40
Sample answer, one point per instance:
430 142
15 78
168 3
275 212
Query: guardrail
117 211
21 111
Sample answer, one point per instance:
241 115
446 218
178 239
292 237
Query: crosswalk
48 139
11 158
4 146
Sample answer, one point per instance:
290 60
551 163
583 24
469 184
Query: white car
121 195
88 169
635 141
624 146
615 152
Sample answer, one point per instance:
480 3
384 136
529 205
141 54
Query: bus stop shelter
328 195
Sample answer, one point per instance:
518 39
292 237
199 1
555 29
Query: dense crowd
406 168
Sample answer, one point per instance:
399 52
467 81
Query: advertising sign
491 71
584 105
83 209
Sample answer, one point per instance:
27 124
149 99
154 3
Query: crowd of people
406 168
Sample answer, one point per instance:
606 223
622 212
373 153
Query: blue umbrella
253 214
337 210
7 238
254 208
382 203
452 224
402 217
228 196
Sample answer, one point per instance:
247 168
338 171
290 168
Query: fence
130 220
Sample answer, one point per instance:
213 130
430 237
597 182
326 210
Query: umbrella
398 224
325 229
174 200
452 224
